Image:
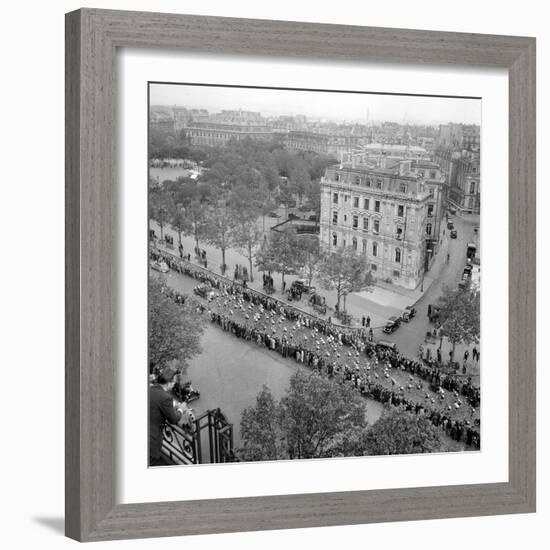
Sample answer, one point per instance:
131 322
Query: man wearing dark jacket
162 409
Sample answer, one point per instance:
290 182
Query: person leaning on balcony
162 409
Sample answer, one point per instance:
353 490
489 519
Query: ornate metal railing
179 445
184 445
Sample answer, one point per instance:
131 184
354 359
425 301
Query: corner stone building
382 214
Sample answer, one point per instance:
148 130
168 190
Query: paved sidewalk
379 303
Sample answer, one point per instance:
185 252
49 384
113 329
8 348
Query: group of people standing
375 372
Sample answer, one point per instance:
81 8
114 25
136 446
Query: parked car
467 270
312 218
384 344
392 324
452 210
450 225
454 234
434 314
303 286
160 266
318 302
205 291
408 313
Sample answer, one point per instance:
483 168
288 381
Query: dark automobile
450 225
467 270
408 313
318 303
434 313
454 234
204 291
302 286
392 324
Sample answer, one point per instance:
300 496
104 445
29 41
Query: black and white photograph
314 274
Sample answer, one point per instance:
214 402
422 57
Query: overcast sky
321 105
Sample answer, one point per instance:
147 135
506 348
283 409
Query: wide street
379 303
230 372
409 336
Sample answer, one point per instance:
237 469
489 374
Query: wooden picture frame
92 39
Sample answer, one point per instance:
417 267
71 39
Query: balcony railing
184 445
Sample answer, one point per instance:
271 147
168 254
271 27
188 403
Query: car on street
454 234
450 225
408 313
162 267
467 270
385 345
433 315
318 303
392 324
205 291
303 286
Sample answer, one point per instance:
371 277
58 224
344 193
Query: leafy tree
260 430
299 180
161 208
286 195
269 170
318 165
320 417
180 222
316 418
196 214
247 236
220 223
174 330
313 197
459 316
265 257
313 254
345 271
402 432
281 253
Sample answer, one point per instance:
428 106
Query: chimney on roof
404 167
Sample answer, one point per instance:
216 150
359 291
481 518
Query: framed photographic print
275 300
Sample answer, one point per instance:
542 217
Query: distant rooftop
391 147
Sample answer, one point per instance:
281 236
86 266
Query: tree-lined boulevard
224 229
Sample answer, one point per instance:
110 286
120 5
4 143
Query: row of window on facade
375 225
370 182
364 245
400 211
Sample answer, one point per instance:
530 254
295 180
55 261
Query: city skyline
337 106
